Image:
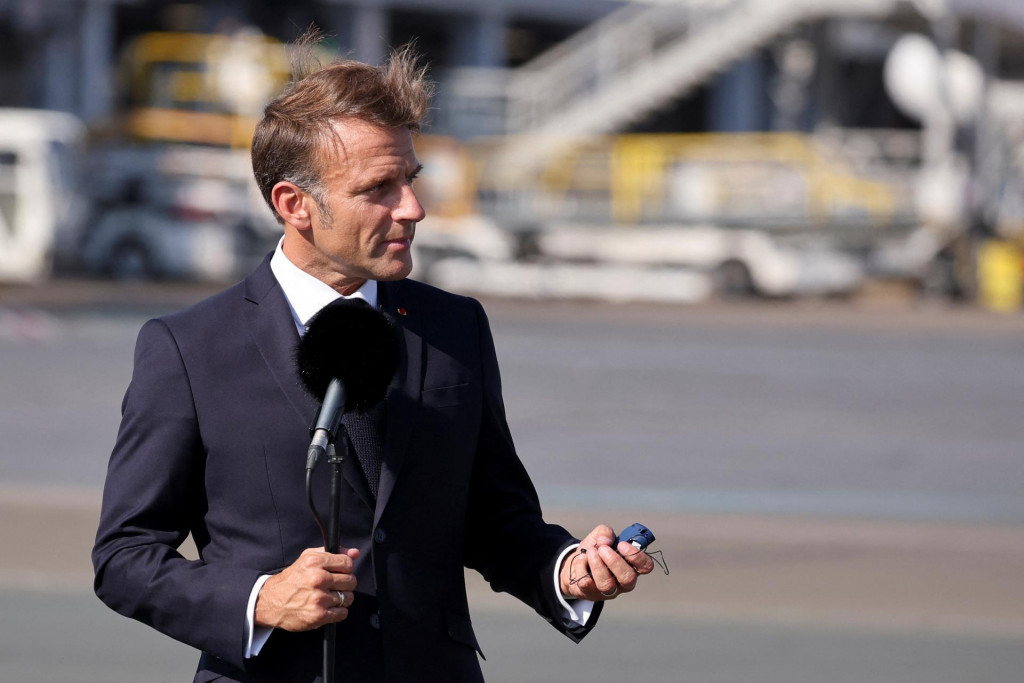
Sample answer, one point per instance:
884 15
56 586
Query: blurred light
915 75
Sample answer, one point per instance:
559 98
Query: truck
737 214
172 192
43 207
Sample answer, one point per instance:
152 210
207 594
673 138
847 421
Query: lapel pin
401 311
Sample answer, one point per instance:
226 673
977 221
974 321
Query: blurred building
61 54
748 65
571 111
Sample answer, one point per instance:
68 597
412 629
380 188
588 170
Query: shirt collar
306 295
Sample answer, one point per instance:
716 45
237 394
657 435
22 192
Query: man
215 426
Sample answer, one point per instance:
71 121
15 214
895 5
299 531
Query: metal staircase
639 59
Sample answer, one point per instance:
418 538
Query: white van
41 203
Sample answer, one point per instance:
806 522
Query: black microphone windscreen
354 343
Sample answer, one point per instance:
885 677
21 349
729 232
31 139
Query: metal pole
335 458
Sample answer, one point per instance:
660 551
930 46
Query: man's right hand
305 595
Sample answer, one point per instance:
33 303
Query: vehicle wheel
732 280
131 260
527 244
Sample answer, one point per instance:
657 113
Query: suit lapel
273 331
404 393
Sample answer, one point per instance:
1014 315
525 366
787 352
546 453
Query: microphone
346 360
328 422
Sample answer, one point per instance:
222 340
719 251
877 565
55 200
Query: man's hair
294 137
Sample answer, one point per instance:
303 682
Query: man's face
367 231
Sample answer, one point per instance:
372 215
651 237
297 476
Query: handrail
636 60
602 53
610 51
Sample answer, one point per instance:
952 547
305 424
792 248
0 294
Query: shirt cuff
576 611
255 636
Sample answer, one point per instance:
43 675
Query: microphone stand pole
335 458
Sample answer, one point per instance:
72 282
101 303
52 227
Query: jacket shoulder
415 289
220 309
223 309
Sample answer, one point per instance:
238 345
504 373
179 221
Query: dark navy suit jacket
215 426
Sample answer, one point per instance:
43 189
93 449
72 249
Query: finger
344 598
326 581
333 615
333 607
341 582
351 552
621 570
339 563
601 535
604 582
638 559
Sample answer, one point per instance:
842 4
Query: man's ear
292 204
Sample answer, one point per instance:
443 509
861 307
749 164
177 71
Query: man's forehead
355 141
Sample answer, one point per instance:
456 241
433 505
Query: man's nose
409 207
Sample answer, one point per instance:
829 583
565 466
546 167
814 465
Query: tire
132 260
732 280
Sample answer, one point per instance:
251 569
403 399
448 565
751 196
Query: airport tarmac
836 489
761 599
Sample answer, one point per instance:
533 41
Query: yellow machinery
727 179
201 88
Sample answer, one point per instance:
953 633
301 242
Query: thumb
601 535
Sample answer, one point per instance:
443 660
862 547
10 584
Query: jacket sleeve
154 493
509 542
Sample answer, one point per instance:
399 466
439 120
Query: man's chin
394 271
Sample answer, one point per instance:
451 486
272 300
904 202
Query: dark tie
366 432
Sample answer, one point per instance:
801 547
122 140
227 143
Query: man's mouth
399 243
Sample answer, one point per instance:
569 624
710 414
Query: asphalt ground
835 487
762 599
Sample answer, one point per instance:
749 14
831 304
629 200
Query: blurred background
755 270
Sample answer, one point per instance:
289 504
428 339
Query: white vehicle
147 243
42 208
175 212
672 264
739 262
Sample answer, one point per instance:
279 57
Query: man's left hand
595 571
